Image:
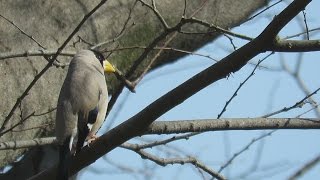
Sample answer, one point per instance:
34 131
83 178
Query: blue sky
281 154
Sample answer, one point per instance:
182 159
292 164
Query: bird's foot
91 138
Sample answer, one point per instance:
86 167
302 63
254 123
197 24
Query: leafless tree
38 38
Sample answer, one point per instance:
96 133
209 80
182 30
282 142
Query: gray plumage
83 91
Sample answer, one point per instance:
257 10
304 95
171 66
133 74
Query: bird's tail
64 160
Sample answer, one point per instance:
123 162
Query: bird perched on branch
82 105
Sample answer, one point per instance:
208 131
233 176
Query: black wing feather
83 129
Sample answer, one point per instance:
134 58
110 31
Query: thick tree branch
173 127
138 124
27 143
199 125
295 46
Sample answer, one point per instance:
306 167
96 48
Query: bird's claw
91 138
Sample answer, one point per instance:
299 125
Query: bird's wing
92 106
83 128
102 106
66 123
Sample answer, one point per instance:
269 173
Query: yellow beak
108 68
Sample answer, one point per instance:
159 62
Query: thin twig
23 32
305 168
121 33
166 141
296 105
156 12
241 84
302 33
161 48
30 53
42 126
17 124
245 148
262 11
215 28
184 9
306 24
23 119
164 161
153 60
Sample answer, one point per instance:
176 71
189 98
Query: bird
82 105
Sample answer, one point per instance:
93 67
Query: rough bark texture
50 22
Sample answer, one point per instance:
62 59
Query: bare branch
245 148
147 50
27 143
241 84
23 119
295 46
296 105
156 12
163 142
160 48
262 11
30 53
301 83
164 161
119 35
22 31
153 60
215 28
205 125
183 126
306 24
305 168
302 33
185 8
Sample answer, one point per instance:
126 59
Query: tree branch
23 32
27 143
199 125
307 167
243 149
28 53
174 127
166 161
295 46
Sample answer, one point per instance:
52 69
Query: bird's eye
99 56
